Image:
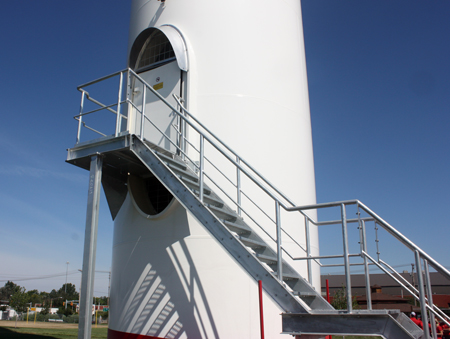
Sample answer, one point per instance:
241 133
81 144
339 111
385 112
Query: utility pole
65 285
67 271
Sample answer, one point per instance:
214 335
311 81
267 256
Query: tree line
18 298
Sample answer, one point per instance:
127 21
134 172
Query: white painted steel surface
246 82
170 277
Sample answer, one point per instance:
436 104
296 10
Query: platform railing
210 158
85 95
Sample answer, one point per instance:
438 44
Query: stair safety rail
423 273
236 179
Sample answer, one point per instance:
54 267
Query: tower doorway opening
154 58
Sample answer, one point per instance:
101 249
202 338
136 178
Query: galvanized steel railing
201 140
420 256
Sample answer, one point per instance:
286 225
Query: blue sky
379 82
379 91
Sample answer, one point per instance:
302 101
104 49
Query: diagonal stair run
306 311
231 231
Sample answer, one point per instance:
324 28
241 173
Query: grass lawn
62 332
48 333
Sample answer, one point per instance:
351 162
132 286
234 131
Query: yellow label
158 86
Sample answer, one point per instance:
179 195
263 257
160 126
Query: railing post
366 265
308 249
144 96
183 135
238 185
279 247
80 118
363 247
129 97
119 99
430 297
423 307
346 259
182 126
201 169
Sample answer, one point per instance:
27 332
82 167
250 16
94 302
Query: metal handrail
432 308
279 198
102 106
407 285
112 75
394 232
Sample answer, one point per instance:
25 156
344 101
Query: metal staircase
247 247
188 176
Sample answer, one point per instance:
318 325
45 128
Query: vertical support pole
202 159
366 265
144 99
430 297
423 308
80 118
308 249
119 99
346 259
261 313
90 246
279 247
238 185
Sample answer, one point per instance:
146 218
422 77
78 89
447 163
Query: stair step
195 186
169 160
182 174
266 259
238 228
210 199
222 213
287 276
251 242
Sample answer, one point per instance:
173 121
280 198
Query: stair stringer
298 285
284 298
298 317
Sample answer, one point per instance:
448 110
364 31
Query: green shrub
72 319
